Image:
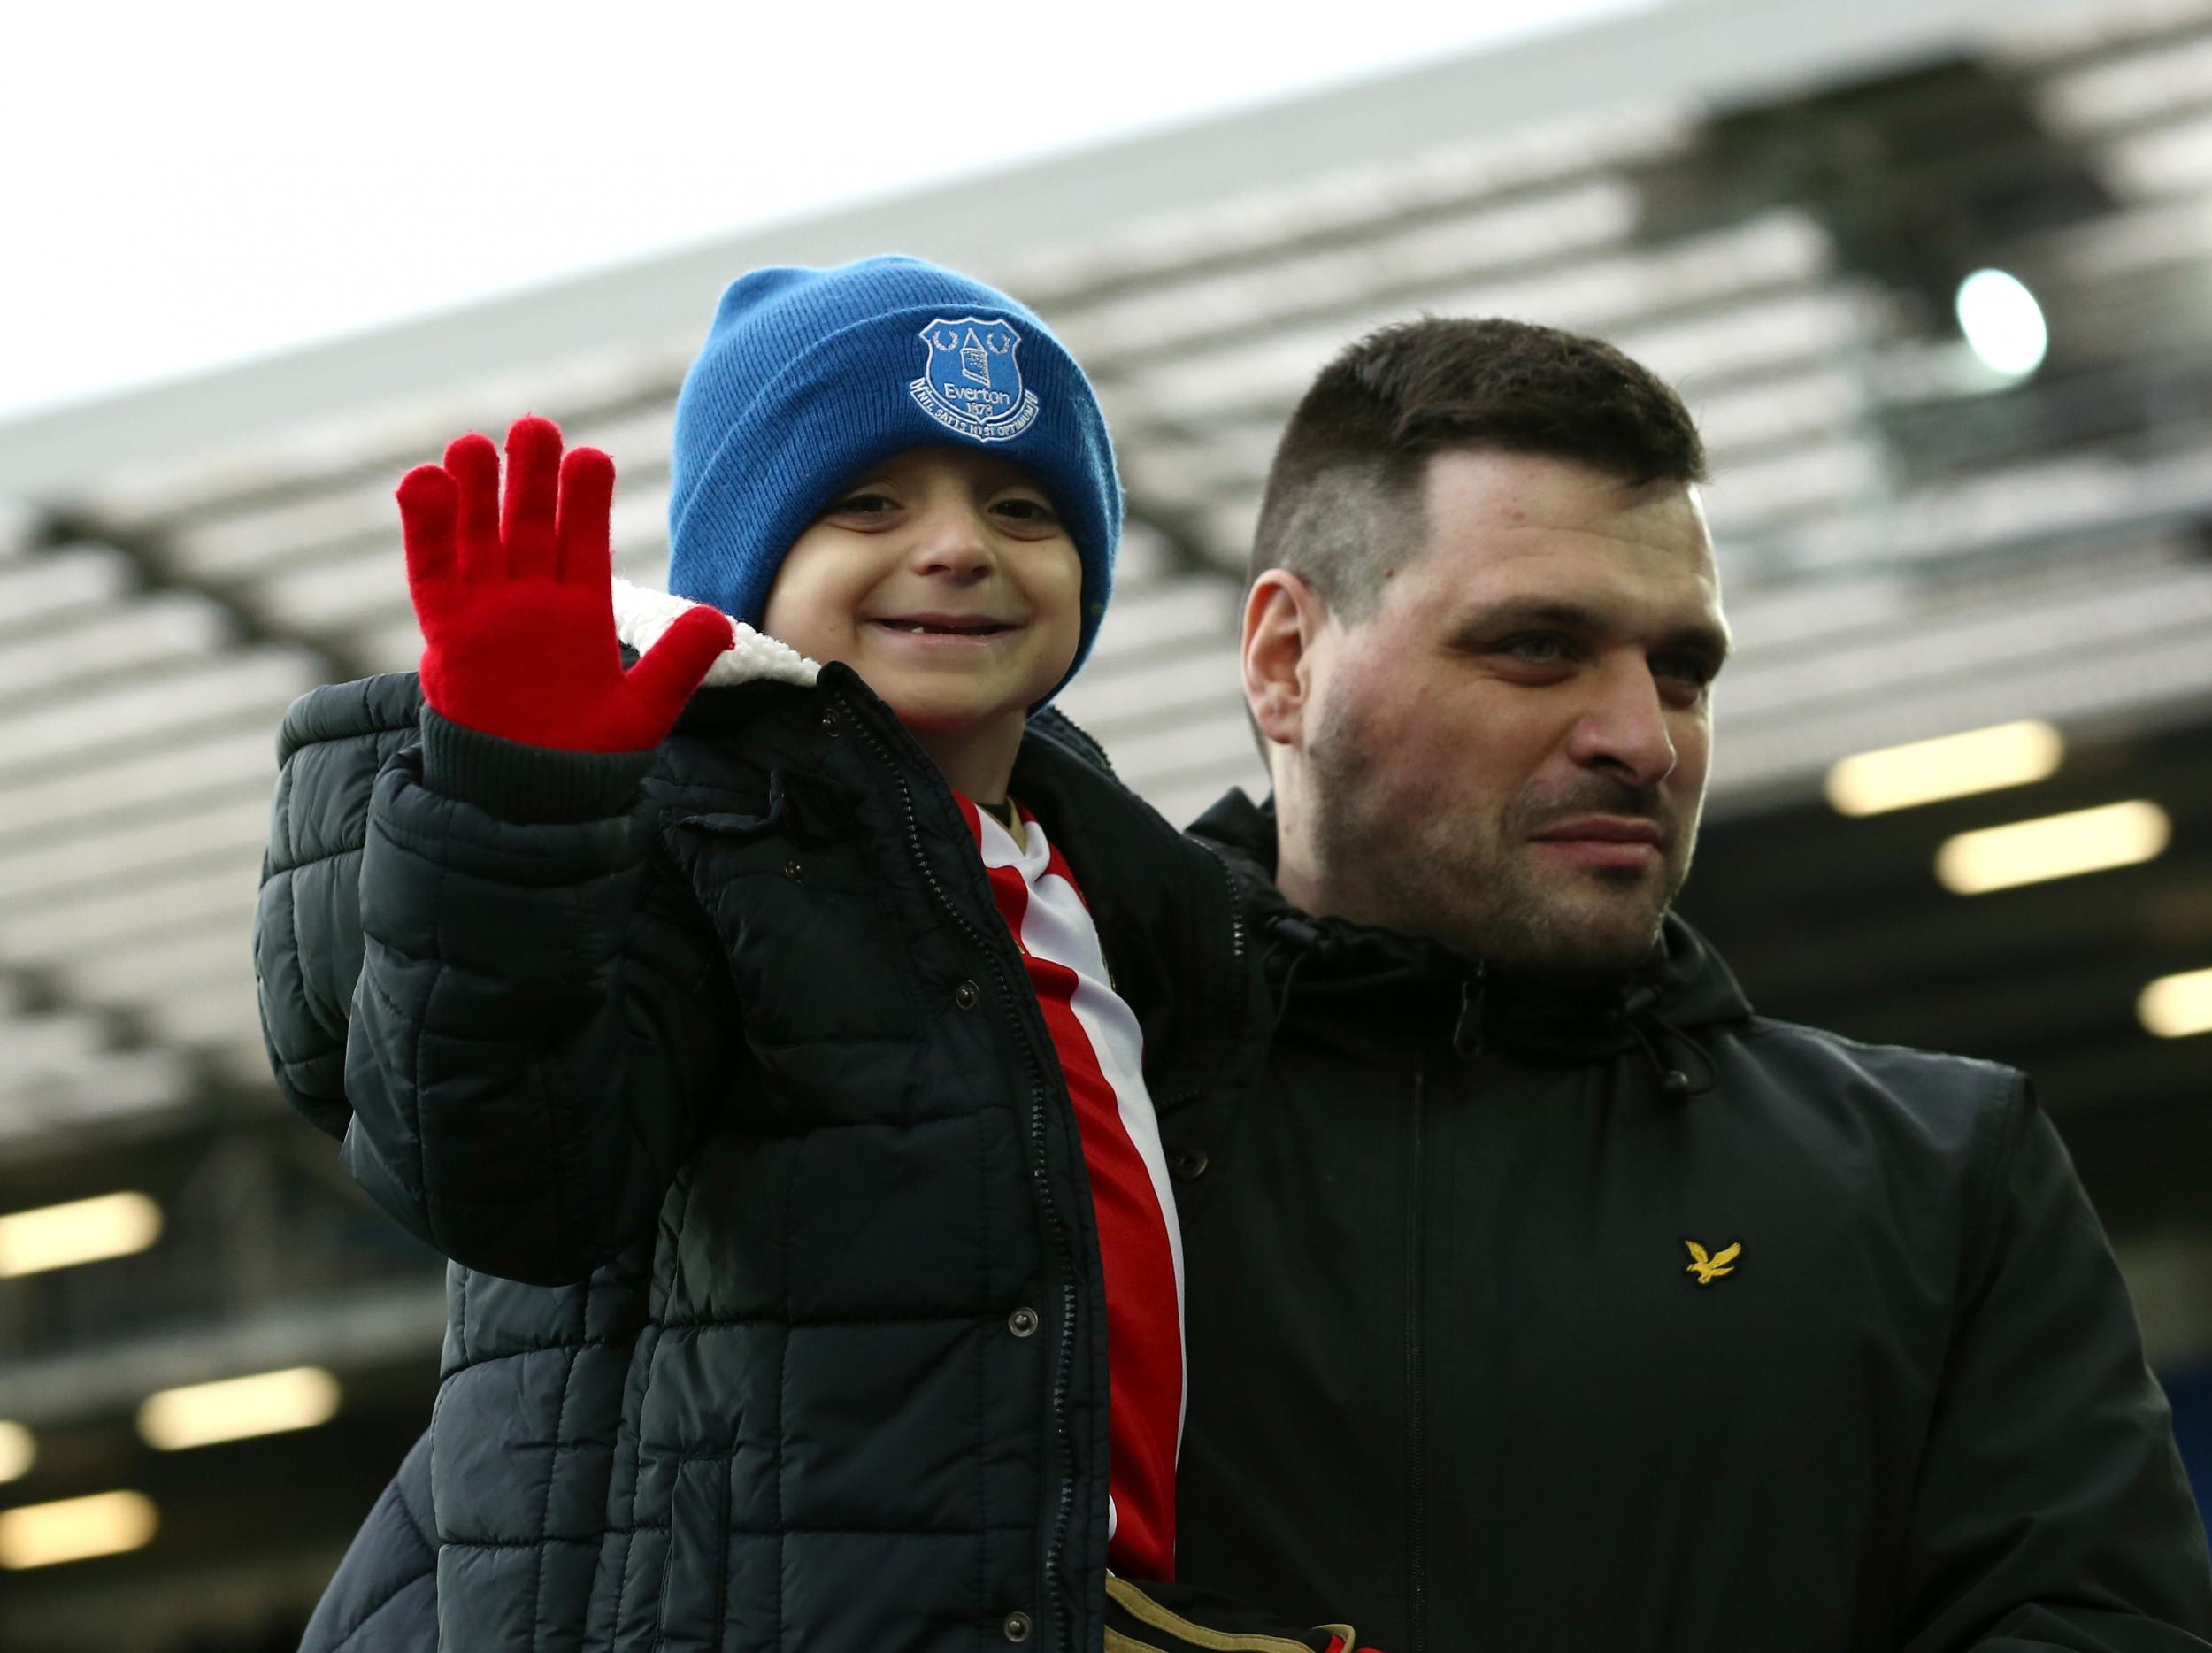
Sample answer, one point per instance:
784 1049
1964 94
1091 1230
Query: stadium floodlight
75 1529
2003 324
1950 766
19 1451
235 1408
2175 1007
2055 846
82 1231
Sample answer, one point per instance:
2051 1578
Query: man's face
945 578
1509 752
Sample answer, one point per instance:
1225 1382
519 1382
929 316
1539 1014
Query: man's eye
1683 668
1543 648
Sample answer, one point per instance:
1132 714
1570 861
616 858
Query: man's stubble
1402 857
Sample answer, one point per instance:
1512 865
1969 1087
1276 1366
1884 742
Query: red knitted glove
518 610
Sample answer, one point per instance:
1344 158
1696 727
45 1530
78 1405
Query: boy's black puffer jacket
725 1090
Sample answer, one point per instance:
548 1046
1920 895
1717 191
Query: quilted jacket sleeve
542 1009
2052 1511
307 924
384 1597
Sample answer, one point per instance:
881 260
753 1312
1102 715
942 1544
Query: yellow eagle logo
1709 1269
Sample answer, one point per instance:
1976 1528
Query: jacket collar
1127 855
1415 985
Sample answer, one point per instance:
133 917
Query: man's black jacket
1512 1340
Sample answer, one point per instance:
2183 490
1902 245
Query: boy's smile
945 578
945 628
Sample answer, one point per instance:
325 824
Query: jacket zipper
1467 1032
1236 900
1417 1422
1064 1360
1467 1043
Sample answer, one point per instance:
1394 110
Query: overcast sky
187 186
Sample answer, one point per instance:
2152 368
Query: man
1542 1296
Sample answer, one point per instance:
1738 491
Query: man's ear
1282 616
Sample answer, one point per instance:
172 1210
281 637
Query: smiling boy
754 1054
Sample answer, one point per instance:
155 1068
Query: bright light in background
83 1231
2002 322
2056 846
19 1451
75 1529
1952 766
2175 1007
283 174
267 1404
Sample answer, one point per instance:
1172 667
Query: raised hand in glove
517 606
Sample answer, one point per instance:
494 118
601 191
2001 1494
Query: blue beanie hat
808 377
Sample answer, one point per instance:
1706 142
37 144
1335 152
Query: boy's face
945 579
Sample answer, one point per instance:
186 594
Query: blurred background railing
1940 510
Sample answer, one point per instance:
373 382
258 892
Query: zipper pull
1467 1033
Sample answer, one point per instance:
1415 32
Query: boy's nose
951 541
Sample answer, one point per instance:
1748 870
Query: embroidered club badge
972 383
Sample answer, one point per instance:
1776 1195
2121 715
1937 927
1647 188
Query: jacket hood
1394 979
642 616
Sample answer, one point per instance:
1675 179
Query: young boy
787 1033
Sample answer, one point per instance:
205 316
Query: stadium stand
1771 205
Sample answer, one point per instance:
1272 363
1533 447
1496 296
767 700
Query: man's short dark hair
1343 498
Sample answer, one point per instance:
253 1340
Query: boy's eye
1032 511
860 504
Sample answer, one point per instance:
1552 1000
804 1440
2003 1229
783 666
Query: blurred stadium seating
1771 205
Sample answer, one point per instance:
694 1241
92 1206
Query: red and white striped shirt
1100 1049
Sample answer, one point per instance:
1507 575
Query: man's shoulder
1898 1061
1933 1098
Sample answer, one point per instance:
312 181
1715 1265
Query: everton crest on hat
973 383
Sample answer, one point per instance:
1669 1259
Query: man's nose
1624 728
